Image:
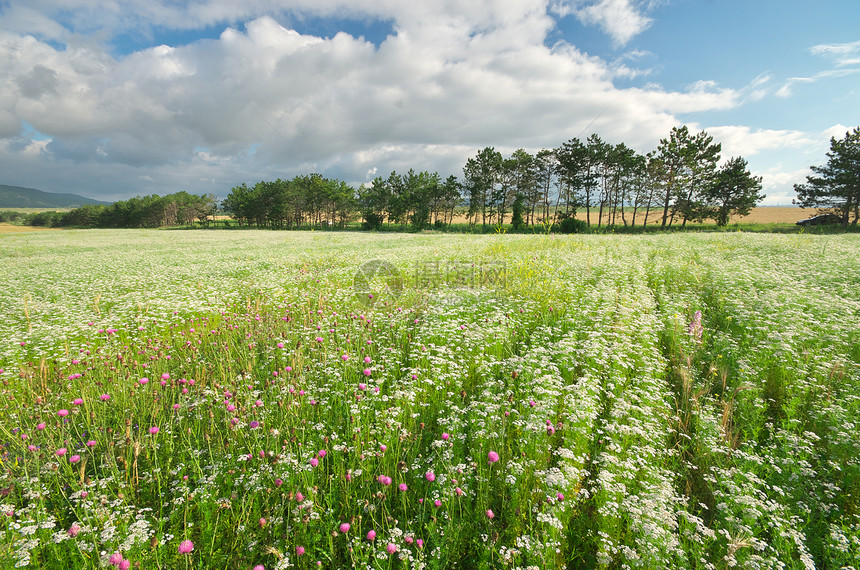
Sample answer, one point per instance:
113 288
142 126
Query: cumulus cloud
263 100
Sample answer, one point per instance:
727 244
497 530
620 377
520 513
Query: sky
113 99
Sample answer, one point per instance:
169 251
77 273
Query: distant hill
20 197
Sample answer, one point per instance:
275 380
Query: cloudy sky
111 99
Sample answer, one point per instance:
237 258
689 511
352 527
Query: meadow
267 400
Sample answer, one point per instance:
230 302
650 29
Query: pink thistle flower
63 413
78 401
74 458
165 376
104 397
259 567
74 530
366 371
560 497
344 527
383 448
403 487
445 436
40 426
91 443
124 564
262 522
391 548
314 462
430 476
143 381
344 357
490 514
420 543
438 503
367 360
153 430
408 539
300 550
321 453
185 547
492 457
362 386
61 452
300 497
459 491
115 559
254 424
371 535
280 345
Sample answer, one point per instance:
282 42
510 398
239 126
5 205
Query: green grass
625 437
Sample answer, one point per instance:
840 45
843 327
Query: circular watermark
377 280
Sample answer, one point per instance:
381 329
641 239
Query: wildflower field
247 400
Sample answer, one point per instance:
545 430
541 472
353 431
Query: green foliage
732 192
571 225
835 187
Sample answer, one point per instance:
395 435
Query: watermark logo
378 280
375 280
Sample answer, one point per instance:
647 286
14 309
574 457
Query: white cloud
622 20
836 131
844 54
778 184
739 140
264 100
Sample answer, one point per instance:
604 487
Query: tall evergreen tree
835 187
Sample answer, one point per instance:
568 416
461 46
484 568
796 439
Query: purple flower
185 547
492 457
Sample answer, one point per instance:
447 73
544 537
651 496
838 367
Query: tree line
151 211
610 184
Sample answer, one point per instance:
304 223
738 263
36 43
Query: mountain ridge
23 197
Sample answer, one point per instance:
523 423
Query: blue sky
112 100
